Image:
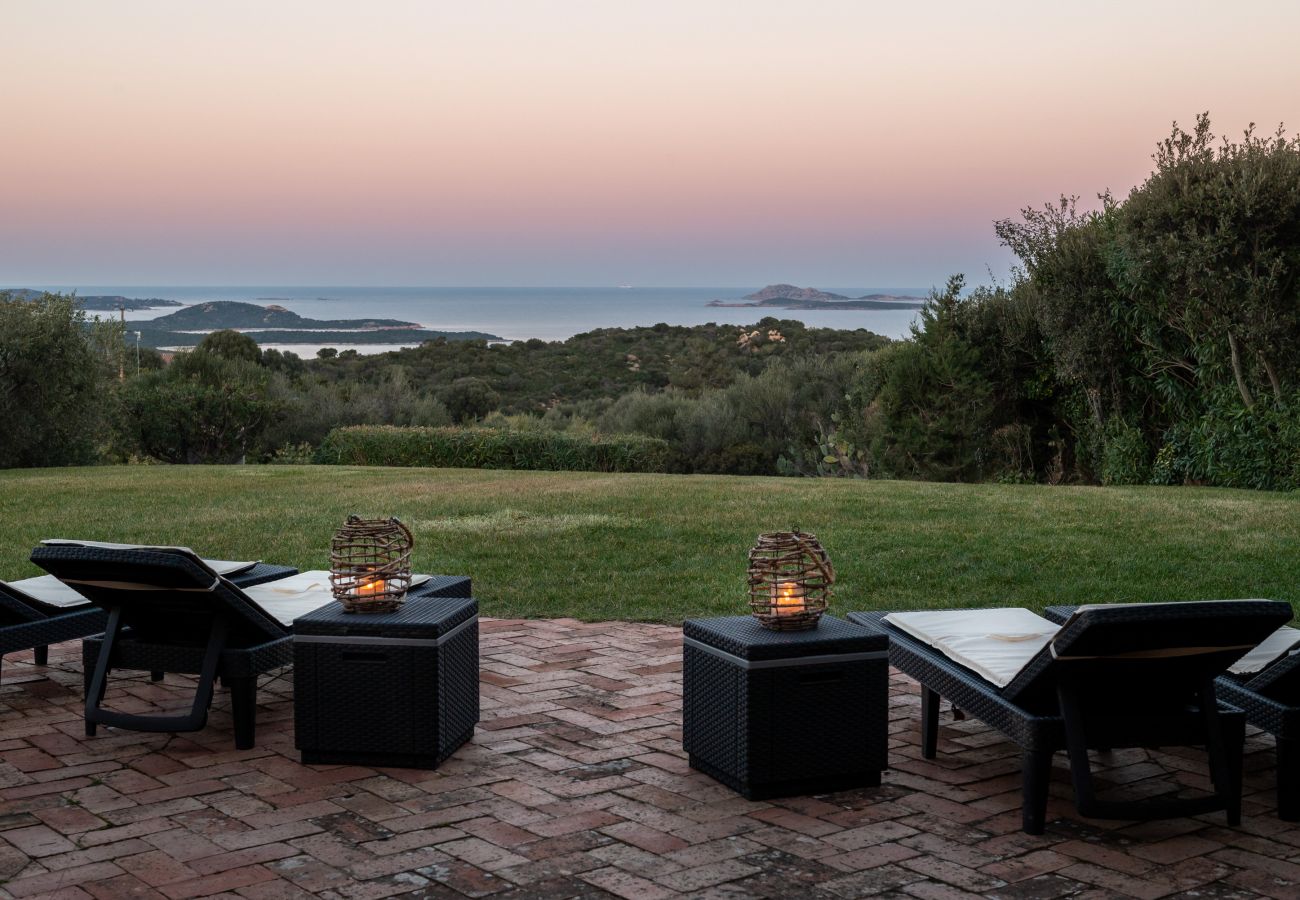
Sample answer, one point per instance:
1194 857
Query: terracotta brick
575 785
38 840
626 885
47 882
123 887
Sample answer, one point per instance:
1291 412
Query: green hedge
492 448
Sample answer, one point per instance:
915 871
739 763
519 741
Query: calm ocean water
517 313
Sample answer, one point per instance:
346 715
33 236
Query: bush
203 408
53 387
1256 447
657 415
492 448
469 398
1125 457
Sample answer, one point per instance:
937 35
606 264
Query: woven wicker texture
44 631
787 730
357 701
1264 710
183 597
1142 714
142 656
184 652
966 690
441 608
790 578
744 637
370 564
54 630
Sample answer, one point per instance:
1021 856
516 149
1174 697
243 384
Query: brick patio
574 786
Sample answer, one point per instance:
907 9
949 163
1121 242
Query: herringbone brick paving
574 786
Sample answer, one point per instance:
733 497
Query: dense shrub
467 399
933 413
492 448
1247 447
54 377
203 408
1126 459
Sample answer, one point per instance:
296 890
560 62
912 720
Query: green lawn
665 547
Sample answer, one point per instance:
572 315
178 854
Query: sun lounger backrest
1279 681
1148 649
163 592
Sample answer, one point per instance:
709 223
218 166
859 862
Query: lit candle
370 588
788 598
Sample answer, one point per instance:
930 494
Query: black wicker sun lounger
167 611
27 623
1271 700
1110 677
35 614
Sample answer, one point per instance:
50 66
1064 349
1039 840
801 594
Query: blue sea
548 313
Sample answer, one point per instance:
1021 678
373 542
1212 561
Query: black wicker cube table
784 713
387 689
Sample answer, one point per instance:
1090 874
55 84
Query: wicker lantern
370 564
790 578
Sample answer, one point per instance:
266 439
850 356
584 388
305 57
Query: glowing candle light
371 588
788 598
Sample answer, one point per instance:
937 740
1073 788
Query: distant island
788 296
96 303
265 324
217 314
153 337
276 325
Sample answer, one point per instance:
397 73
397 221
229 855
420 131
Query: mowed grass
665 547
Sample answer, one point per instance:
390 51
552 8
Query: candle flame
788 598
371 588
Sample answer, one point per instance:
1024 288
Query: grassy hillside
665 547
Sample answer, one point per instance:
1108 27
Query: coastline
516 314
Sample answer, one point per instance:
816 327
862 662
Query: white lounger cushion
48 590
996 643
285 599
1275 646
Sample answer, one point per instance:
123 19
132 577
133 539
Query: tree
53 383
469 398
1067 279
230 344
933 413
203 408
1211 247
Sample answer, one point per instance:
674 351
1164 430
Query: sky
565 142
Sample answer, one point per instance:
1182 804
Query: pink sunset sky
591 143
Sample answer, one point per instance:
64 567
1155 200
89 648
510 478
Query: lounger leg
42 655
192 721
1037 775
929 722
155 675
98 679
1288 779
243 707
1225 753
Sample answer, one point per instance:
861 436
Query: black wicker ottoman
783 713
387 689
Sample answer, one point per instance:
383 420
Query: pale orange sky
829 143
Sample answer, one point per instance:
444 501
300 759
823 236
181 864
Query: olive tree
53 381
